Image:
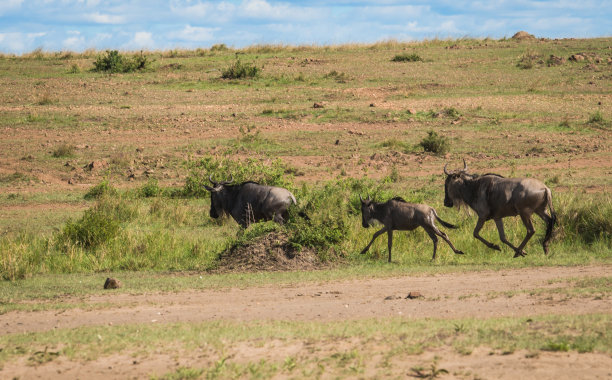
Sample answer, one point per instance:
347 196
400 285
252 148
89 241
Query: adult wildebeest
249 202
397 214
492 196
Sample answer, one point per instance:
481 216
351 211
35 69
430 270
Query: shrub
266 173
74 69
150 189
115 62
239 70
219 47
406 58
597 120
528 60
64 150
435 143
101 189
320 235
92 230
451 112
339 77
587 219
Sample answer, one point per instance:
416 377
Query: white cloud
9 5
193 34
100 18
19 42
141 40
74 43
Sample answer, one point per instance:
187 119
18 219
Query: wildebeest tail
553 217
445 224
303 215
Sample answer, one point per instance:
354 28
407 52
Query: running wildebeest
492 196
249 202
397 214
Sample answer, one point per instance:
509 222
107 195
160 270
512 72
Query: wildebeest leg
278 218
477 229
444 236
377 234
436 231
502 234
434 238
548 220
526 218
390 242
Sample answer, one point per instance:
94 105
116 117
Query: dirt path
453 295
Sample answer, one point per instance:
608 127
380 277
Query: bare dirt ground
456 295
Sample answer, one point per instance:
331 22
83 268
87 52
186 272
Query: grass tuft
435 143
239 70
407 58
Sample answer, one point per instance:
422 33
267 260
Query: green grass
395 339
131 232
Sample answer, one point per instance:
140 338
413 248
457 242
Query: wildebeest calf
397 214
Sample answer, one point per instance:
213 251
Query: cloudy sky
76 25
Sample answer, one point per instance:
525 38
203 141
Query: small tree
239 70
435 143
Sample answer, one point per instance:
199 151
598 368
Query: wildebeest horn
227 182
464 166
211 180
445 172
369 198
361 199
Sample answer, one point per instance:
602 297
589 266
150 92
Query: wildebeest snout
448 202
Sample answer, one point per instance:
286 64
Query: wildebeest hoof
495 247
460 253
519 254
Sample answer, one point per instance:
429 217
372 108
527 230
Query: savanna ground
100 176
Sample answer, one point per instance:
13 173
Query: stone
112 283
413 295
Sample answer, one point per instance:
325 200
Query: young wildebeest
492 196
249 202
397 214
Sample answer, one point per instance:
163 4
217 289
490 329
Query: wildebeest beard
457 191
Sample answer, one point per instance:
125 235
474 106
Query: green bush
597 120
320 235
435 143
528 60
586 219
115 62
272 173
101 189
239 70
150 189
92 230
407 58
219 47
64 150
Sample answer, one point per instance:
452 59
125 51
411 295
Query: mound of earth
271 252
522 35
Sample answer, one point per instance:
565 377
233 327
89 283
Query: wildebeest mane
493 174
399 199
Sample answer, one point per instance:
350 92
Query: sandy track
454 295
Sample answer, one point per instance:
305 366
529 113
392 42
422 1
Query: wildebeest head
367 211
217 193
452 186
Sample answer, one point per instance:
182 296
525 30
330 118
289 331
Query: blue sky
76 25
